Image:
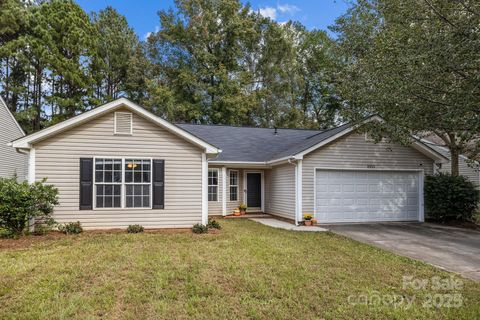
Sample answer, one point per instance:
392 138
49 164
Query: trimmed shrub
450 197
135 228
213 224
45 226
5 234
71 228
21 201
199 228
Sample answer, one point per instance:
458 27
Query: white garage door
361 196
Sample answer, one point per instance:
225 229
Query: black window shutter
158 184
86 183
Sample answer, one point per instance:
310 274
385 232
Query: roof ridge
247 127
327 130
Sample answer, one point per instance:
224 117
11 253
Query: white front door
363 196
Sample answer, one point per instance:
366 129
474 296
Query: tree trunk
38 99
7 76
454 161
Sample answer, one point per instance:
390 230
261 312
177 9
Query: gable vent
123 123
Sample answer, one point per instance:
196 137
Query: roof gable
11 117
263 146
28 141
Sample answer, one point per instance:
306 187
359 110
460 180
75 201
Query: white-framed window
138 181
123 183
212 184
233 176
108 183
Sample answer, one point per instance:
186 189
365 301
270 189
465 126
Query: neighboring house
12 163
465 169
119 164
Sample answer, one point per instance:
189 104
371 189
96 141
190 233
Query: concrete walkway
274 223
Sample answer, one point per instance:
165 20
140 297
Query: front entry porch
229 187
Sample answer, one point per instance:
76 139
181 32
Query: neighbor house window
233 185
122 183
213 185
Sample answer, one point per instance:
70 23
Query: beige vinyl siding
280 191
57 158
11 162
352 152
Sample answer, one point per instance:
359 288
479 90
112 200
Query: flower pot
308 222
236 213
243 212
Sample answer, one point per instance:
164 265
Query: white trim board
204 189
224 191
299 191
26 142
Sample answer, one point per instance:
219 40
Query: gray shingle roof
258 144
442 150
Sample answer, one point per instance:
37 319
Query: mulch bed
28 240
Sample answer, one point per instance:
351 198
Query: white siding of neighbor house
57 158
11 162
352 152
280 191
471 173
215 207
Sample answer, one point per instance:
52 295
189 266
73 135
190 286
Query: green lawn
246 271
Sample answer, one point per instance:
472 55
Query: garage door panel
335 188
349 196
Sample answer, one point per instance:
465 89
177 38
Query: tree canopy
416 64
209 62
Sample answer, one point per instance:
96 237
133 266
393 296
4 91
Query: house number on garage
370 166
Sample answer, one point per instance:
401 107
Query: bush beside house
20 202
450 197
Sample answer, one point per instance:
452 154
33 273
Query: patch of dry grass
246 271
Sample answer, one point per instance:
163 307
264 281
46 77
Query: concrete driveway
450 248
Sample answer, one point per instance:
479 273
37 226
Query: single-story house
12 162
119 164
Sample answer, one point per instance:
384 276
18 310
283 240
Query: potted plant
308 219
236 212
243 208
